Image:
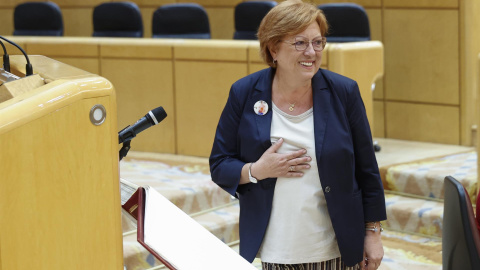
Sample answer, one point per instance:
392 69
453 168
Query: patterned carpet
425 178
186 182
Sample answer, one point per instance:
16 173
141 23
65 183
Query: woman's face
292 62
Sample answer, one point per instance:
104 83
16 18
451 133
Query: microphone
6 58
152 118
28 67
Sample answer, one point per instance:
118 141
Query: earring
274 61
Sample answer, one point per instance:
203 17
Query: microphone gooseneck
6 58
28 66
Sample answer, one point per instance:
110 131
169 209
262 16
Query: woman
293 144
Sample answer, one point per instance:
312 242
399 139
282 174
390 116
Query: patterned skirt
334 264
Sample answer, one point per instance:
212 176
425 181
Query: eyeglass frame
323 39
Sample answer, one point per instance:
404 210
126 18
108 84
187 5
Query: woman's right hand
272 164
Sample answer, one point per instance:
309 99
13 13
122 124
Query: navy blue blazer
343 146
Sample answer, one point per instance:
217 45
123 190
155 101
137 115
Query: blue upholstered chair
460 237
348 22
117 19
248 16
183 20
37 19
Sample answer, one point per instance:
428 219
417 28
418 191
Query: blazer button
327 189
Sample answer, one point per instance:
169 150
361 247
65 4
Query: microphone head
157 115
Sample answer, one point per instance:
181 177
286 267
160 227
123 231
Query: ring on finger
291 168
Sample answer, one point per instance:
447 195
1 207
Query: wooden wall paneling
10 3
378 92
217 50
143 85
48 69
421 122
6 21
375 21
55 46
153 3
222 22
137 48
379 116
77 21
254 67
80 53
201 97
91 65
78 16
215 3
255 61
421 3
376 32
254 52
199 108
221 16
83 3
12 50
147 16
379 109
142 73
361 61
325 56
469 50
421 52
364 3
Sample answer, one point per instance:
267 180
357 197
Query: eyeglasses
301 44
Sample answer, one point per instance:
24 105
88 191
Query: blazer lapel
263 91
321 110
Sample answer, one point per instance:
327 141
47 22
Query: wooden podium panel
59 201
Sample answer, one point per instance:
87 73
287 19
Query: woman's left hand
372 251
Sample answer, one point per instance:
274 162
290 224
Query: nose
309 50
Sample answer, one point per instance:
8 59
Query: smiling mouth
307 64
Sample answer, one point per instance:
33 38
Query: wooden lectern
59 178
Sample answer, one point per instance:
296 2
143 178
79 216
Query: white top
299 230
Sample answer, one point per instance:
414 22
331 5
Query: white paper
182 241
